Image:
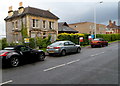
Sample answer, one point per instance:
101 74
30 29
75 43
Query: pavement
91 66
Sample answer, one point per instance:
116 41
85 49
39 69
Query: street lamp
95 18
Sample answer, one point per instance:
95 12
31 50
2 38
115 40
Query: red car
99 42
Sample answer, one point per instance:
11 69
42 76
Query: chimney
110 22
114 22
10 12
21 8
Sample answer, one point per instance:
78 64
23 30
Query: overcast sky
70 11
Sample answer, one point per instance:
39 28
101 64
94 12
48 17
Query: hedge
75 37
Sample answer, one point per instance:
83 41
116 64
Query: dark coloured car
99 42
14 55
63 47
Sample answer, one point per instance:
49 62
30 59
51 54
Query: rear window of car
96 39
56 44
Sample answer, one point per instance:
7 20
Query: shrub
3 43
75 37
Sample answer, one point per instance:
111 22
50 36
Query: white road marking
73 61
6 82
61 65
54 67
97 54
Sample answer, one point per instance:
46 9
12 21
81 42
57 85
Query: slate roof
63 27
35 12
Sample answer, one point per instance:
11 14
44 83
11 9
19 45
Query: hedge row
72 37
75 37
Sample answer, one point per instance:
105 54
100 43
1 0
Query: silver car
63 47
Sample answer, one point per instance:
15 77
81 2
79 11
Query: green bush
75 37
109 37
3 43
39 42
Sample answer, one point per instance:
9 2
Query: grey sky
70 11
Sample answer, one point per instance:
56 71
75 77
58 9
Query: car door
103 41
67 47
26 52
72 46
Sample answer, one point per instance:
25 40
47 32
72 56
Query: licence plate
51 51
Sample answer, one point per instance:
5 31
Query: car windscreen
56 44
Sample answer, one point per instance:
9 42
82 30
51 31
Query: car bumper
53 51
96 44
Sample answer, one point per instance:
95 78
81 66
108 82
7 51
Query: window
44 33
24 49
75 26
33 35
16 25
66 43
13 25
90 32
43 24
51 25
35 23
71 43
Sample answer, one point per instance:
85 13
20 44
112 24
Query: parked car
99 42
14 55
63 47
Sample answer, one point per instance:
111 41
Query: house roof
35 12
63 27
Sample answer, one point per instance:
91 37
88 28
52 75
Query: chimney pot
20 4
10 8
114 22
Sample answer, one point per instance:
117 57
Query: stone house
63 27
39 23
88 27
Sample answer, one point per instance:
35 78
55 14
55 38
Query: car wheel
78 50
50 54
92 46
101 45
14 61
107 44
63 53
41 57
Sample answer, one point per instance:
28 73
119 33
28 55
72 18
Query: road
91 66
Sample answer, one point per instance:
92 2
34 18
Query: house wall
11 33
47 31
13 36
88 27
